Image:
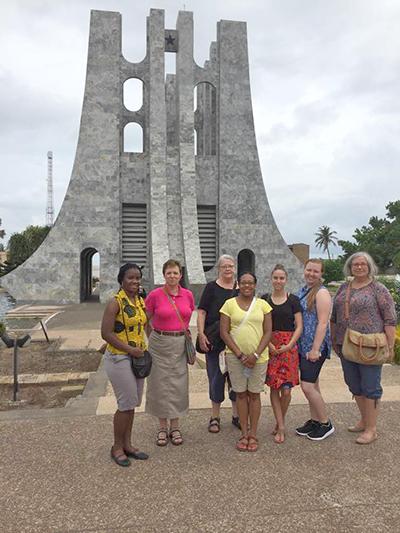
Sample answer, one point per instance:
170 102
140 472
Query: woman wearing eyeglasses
246 328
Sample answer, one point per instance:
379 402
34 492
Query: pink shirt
164 316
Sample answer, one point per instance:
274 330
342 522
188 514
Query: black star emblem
170 40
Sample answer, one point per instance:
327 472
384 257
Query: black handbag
141 366
212 334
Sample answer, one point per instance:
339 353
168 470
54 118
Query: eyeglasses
227 267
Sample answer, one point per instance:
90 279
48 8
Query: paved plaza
57 476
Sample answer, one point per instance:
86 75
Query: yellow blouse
129 322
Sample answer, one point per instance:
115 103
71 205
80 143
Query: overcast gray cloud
325 81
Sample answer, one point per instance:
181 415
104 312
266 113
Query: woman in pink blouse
167 395
371 310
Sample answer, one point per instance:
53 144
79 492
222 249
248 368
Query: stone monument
195 190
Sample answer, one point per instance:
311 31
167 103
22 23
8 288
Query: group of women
280 339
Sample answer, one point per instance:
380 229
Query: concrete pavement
57 477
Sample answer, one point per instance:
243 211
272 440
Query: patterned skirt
283 369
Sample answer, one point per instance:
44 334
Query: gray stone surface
57 477
167 177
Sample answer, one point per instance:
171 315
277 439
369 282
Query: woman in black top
283 363
214 296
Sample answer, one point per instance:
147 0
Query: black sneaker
321 431
306 428
235 422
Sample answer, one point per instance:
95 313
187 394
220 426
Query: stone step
331 380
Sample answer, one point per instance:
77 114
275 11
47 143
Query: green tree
325 238
2 232
22 245
380 238
333 270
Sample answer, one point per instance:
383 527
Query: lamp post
16 343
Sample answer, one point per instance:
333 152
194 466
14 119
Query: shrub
333 270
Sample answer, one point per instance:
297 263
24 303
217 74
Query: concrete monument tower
195 191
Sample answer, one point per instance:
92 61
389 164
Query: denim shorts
362 380
310 370
217 380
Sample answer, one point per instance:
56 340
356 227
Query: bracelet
256 355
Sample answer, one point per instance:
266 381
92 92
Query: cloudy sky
325 86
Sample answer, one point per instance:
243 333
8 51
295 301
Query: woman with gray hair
365 306
214 296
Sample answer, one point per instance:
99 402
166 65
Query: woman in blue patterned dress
314 348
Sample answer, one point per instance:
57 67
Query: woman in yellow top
123 327
246 328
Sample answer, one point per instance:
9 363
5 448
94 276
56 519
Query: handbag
141 366
212 333
190 350
364 348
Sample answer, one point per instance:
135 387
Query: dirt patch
38 396
43 358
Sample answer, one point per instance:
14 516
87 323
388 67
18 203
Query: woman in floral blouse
371 310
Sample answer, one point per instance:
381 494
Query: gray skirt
167 394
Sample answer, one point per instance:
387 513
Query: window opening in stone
133 94
133 138
90 275
170 64
246 261
205 118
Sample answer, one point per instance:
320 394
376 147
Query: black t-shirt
283 314
213 298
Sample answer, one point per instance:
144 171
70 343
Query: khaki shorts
240 383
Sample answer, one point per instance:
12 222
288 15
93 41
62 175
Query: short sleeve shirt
212 299
164 316
250 333
283 314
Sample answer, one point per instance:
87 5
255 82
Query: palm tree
325 237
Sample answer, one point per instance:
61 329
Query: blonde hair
311 296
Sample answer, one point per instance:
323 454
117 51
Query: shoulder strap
175 308
246 316
305 294
347 302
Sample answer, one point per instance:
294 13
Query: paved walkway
57 477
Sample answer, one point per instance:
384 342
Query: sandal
162 437
253 444
119 458
175 436
242 444
214 425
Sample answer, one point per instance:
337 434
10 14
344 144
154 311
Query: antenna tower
49 208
